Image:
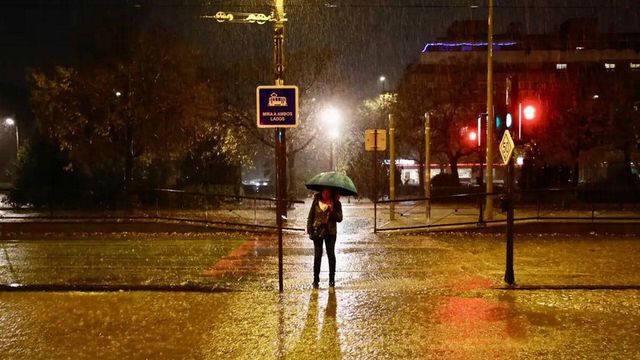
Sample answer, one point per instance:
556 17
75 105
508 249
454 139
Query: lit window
609 66
634 66
561 66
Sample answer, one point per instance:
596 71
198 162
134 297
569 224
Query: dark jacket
315 214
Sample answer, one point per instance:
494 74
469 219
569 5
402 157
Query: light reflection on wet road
403 296
352 324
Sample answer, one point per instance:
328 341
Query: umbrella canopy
337 181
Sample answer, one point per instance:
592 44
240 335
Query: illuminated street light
334 133
118 94
11 122
331 117
382 80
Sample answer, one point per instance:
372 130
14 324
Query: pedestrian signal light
508 121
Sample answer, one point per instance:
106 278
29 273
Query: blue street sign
277 106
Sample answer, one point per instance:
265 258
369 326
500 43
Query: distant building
535 59
538 61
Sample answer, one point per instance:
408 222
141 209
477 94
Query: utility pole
490 116
392 168
375 180
427 165
280 135
277 17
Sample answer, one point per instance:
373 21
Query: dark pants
330 243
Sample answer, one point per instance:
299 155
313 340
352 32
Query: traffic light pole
511 99
490 116
509 276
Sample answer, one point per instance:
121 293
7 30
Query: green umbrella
334 180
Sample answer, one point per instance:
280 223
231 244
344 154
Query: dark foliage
44 178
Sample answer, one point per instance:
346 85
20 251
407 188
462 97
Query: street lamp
331 118
10 122
382 81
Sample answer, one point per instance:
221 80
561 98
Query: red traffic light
529 112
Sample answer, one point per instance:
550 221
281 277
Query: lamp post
331 118
278 18
382 81
10 122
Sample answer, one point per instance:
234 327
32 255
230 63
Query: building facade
540 64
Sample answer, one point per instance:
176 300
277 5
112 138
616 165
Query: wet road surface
433 296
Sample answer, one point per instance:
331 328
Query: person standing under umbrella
325 213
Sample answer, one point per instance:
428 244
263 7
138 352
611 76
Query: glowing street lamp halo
9 121
383 78
331 116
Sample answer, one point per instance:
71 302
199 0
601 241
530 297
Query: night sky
371 37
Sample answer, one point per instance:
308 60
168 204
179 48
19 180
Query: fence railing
258 213
468 209
170 205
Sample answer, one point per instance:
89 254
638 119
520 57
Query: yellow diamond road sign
506 147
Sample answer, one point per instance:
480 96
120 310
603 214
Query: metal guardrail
467 209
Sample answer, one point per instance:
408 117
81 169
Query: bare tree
452 96
310 69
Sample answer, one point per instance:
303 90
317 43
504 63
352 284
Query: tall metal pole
17 139
490 116
392 167
331 167
509 276
427 164
481 185
375 180
280 135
